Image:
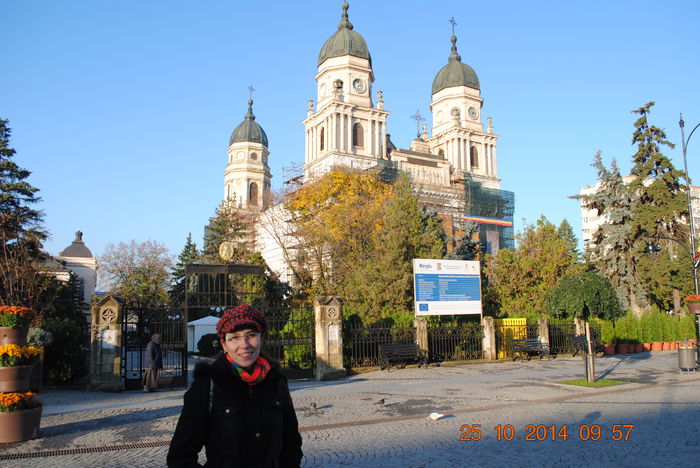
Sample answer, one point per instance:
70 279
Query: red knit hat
243 316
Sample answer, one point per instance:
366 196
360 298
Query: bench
402 352
522 347
578 342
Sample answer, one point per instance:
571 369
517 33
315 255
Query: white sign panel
447 287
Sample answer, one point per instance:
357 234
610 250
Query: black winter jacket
246 426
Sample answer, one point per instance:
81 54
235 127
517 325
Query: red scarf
260 369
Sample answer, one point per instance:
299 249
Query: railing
361 345
456 342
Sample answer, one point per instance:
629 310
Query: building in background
79 259
455 168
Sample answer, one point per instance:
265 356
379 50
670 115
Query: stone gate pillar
328 311
580 326
106 345
488 342
543 329
421 324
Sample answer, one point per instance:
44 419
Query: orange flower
17 401
693 298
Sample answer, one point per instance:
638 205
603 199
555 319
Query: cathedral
454 167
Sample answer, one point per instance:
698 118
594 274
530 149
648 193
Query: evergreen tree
469 245
229 224
189 255
21 232
662 205
566 232
611 250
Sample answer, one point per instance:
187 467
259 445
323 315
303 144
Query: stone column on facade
488 342
495 162
469 152
543 330
421 324
348 129
106 345
487 169
328 312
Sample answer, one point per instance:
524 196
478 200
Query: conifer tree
229 224
662 205
21 231
190 254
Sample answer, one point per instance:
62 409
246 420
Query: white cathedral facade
347 127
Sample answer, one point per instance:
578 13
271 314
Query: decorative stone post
543 330
106 345
488 342
580 327
421 324
328 311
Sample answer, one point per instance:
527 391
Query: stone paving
349 428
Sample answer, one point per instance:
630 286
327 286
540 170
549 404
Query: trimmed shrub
64 358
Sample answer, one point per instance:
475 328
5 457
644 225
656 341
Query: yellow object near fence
509 329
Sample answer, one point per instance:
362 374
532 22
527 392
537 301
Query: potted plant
693 303
20 415
14 323
16 364
607 333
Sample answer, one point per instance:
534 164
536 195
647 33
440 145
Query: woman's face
243 347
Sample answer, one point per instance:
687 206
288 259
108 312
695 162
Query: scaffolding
492 210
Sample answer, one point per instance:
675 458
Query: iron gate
137 328
212 288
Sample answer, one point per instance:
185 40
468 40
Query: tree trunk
590 363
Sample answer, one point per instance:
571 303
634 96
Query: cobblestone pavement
349 428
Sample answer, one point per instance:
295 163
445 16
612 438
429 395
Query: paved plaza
656 414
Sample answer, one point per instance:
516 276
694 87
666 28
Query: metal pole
684 145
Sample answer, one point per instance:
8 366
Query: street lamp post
684 146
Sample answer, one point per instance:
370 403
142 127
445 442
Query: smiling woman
239 406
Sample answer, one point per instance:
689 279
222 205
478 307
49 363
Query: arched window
253 194
322 139
358 135
474 157
441 152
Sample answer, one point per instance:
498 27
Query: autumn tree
139 272
333 219
519 280
381 283
21 231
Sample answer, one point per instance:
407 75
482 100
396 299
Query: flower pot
646 347
665 346
609 349
674 345
657 346
15 379
16 336
638 347
693 307
621 348
16 426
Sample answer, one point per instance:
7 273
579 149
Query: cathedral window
322 139
473 157
358 135
253 194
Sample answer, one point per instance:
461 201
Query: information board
447 287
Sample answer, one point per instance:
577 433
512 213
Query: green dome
345 41
455 73
249 129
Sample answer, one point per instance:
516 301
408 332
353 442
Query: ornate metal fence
361 345
560 333
290 339
455 342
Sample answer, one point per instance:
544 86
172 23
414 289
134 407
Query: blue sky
123 109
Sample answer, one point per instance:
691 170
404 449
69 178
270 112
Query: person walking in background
153 363
238 407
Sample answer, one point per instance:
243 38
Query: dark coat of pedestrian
153 362
239 407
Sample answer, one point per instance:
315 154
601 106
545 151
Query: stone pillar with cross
328 311
106 344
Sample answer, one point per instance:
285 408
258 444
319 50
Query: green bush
64 358
39 337
647 332
208 345
688 327
298 326
607 332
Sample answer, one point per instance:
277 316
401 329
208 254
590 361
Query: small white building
198 328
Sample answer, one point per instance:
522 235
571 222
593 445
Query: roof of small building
77 248
208 320
455 73
345 41
249 130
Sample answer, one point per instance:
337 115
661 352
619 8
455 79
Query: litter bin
686 356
